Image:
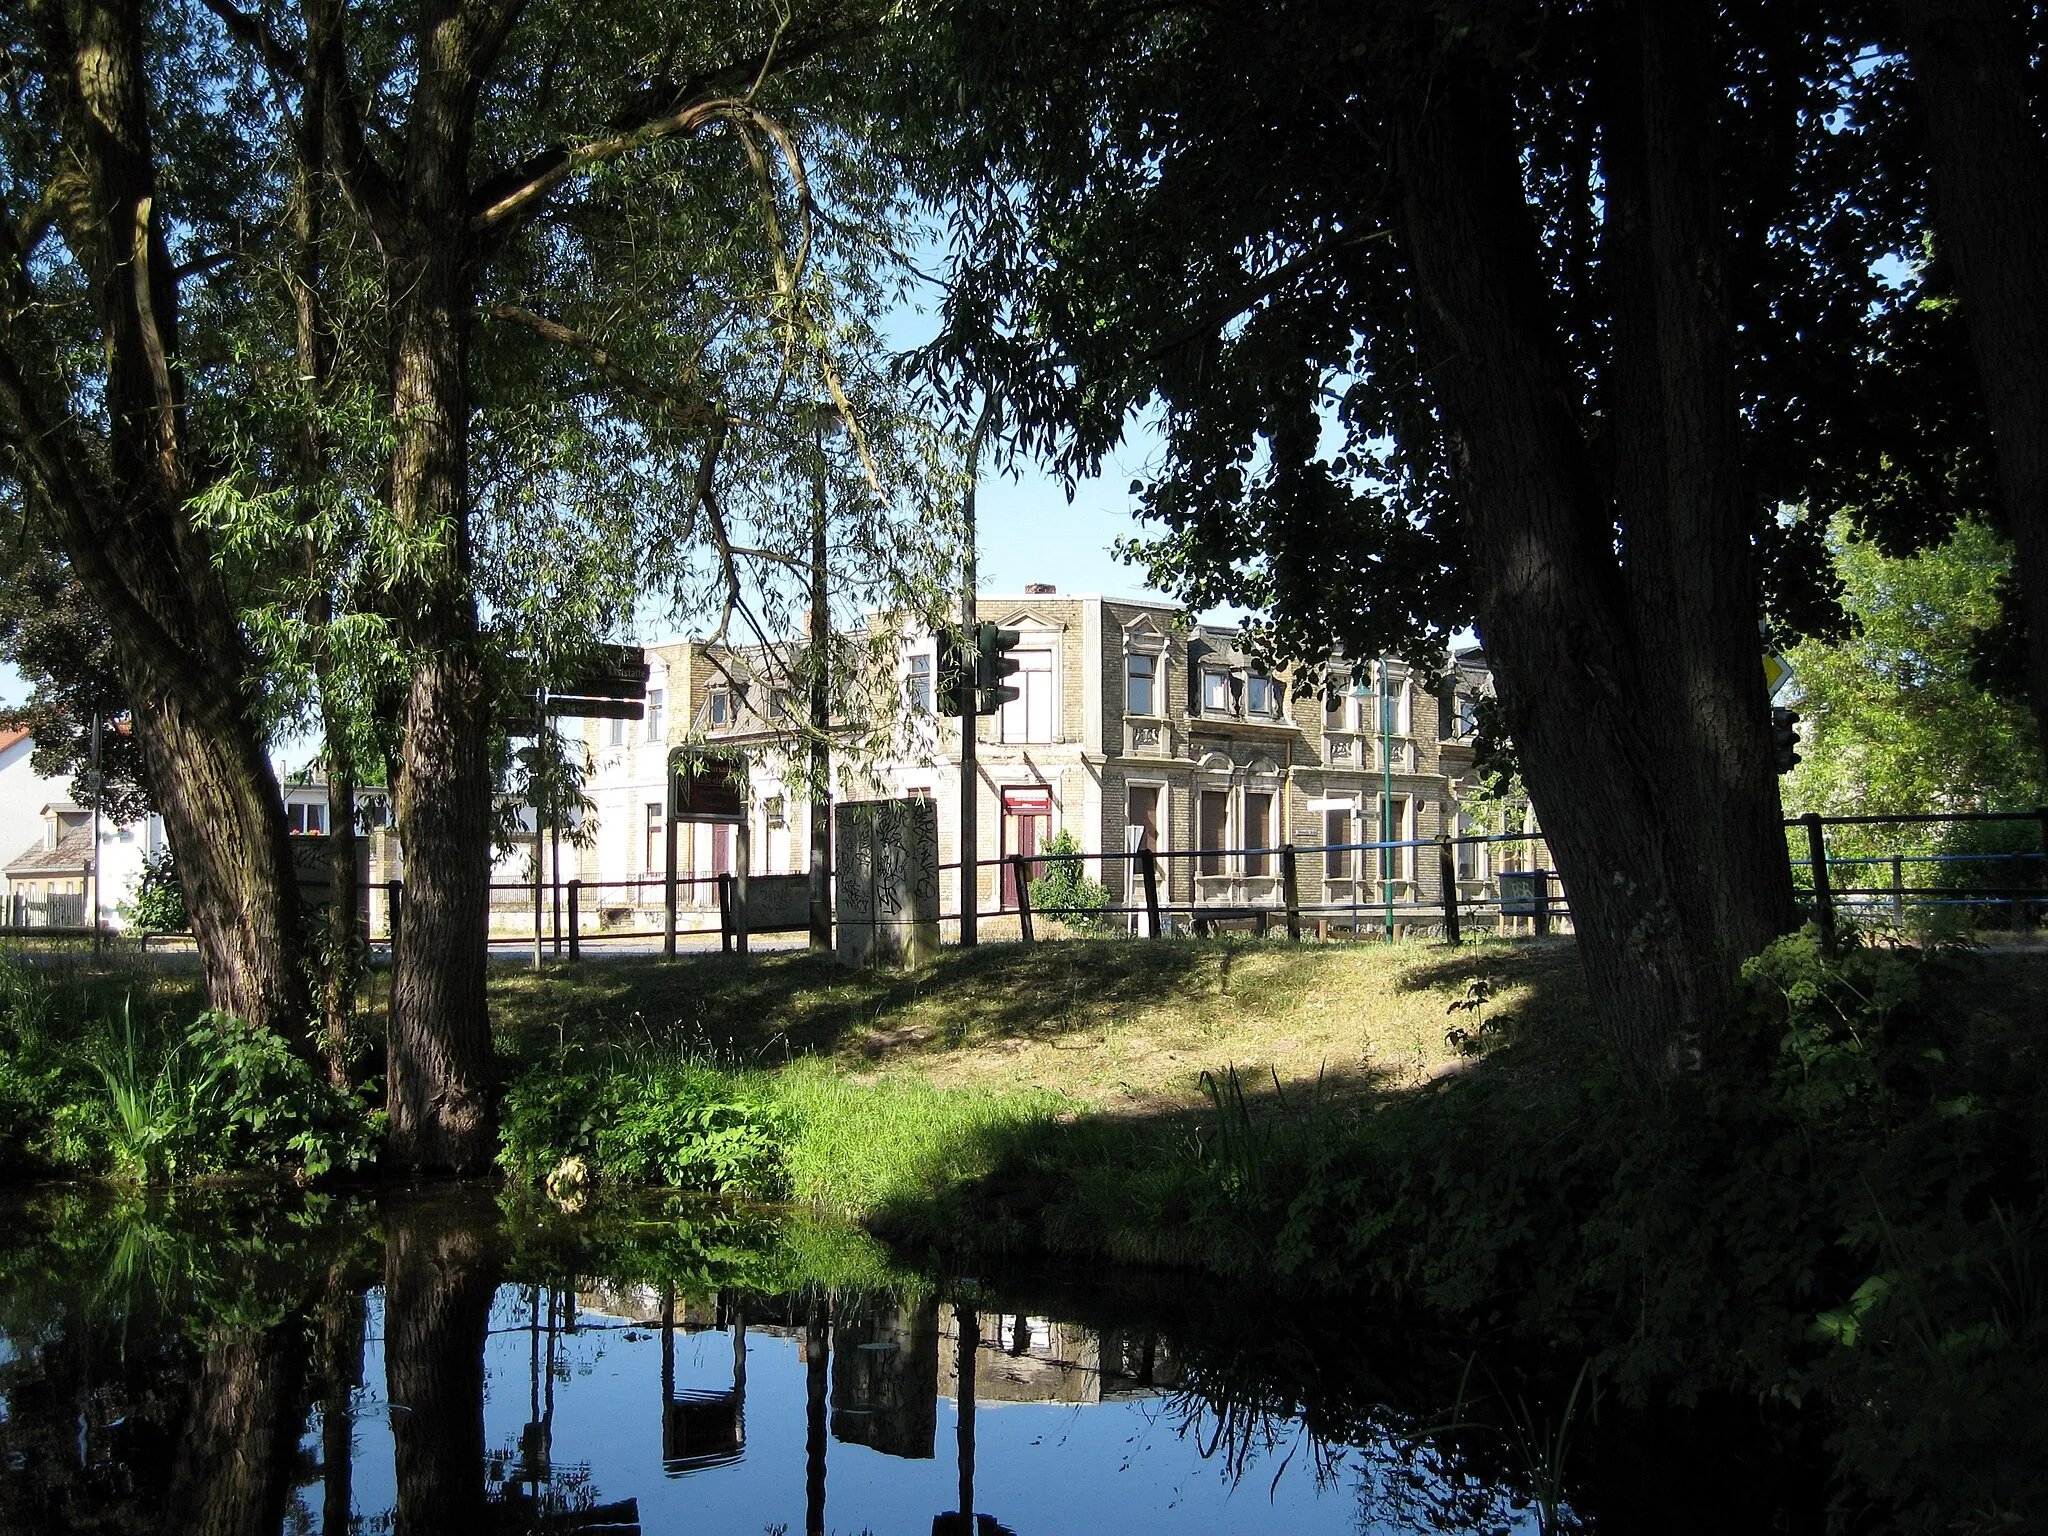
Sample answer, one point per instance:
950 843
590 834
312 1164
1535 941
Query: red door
1027 823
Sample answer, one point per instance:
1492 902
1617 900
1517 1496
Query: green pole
1387 864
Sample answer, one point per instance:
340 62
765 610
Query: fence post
1823 896
1022 867
1447 881
575 920
1148 871
725 914
1898 891
539 870
1290 892
1540 886
668 873
393 891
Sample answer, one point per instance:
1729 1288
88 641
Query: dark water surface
453 1360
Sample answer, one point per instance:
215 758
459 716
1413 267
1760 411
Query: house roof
13 735
67 858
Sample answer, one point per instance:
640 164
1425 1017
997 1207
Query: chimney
1040 589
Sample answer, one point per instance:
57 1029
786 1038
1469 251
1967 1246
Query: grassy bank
1843 1208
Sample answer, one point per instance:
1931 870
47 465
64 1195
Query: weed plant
96 1080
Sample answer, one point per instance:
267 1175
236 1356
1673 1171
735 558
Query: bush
94 1085
158 905
678 1122
1064 891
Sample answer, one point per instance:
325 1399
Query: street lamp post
823 415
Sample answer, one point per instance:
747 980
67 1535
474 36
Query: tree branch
516 191
696 414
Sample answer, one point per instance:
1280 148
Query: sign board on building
714 789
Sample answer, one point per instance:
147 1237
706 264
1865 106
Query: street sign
1777 673
712 790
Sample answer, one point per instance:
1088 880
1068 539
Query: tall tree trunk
440 1041
1970 65
439 1278
1677 486
118 508
1612 774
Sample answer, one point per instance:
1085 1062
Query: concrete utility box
886 862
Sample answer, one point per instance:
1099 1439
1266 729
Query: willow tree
1458 312
554 372
98 242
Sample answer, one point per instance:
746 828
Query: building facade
1129 730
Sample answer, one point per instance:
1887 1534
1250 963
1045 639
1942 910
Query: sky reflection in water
141 1392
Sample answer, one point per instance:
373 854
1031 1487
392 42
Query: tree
96 426
1894 717
1449 311
1972 67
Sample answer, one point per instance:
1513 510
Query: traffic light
1785 739
955 693
992 665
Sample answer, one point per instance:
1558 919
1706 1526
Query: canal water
458 1360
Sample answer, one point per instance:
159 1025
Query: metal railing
1355 888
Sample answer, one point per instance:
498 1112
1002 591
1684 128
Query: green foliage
1065 890
1894 718
675 1122
1843 1207
158 905
99 1085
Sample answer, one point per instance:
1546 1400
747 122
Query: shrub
677 1122
1064 891
158 905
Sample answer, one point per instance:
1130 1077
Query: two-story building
1129 730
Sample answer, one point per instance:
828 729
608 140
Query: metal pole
966 1342
970 787
575 920
1387 864
1447 878
538 872
555 885
1290 889
1022 868
94 870
668 865
1148 869
821 720
1823 896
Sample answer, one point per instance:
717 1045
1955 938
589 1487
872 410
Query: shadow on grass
768 1006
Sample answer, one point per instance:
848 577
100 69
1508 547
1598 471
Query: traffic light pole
970 787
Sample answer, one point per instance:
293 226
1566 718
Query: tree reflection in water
212 1364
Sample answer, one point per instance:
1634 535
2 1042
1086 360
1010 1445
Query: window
1027 823
1258 832
1336 832
778 704
1028 717
1394 829
1363 716
718 707
1471 856
1214 829
918 687
1262 696
1141 816
776 809
657 845
618 730
1140 673
1467 716
1335 713
306 820
1215 692
655 700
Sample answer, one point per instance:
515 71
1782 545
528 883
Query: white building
47 841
